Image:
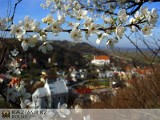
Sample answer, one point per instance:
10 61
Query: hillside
64 53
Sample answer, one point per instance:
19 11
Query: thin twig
14 10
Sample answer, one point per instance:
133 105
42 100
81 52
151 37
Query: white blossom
14 52
27 104
95 98
122 15
144 10
61 18
27 43
137 15
19 31
88 22
101 36
147 30
54 27
88 117
93 28
78 109
137 1
73 25
111 42
48 19
152 16
120 31
108 20
76 34
1 80
80 14
62 110
16 71
28 23
132 20
46 47
134 28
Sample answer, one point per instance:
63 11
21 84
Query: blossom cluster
109 26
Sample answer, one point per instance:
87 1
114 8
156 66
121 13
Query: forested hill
83 48
64 53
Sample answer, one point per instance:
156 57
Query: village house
51 94
101 60
105 74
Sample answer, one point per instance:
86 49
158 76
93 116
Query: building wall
100 62
59 98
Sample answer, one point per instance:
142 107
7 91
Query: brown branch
154 71
14 10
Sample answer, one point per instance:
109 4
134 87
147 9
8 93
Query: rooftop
101 57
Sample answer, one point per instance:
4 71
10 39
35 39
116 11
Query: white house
50 95
59 93
100 60
42 97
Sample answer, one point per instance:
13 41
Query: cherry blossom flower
122 15
61 18
45 47
134 28
137 15
78 109
27 43
16 71
1 80
88 117
19 31
27 104
76 34
55 27
80 14
13 64
95 98
152 16
132 20
137 1
108 20
111 42
144 10
88 22
73 25
28 23
147 30
101 36
14 52
48 19
120 31
62 110
93 28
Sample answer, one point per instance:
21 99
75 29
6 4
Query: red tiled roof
84 90
102 57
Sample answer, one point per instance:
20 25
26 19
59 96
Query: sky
33 9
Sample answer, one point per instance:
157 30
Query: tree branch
14 10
